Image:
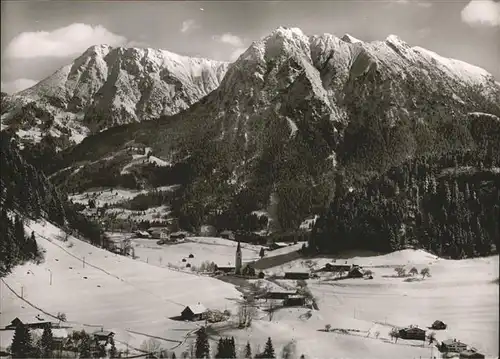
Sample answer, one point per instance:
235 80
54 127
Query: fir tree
21 343
84 347
269 350
112 351
47 342
173 355
202 347
248 351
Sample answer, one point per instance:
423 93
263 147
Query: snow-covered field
213 249
118 293
460 293
130 296
112 196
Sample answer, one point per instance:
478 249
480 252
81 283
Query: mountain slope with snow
107 86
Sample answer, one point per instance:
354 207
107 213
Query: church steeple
238 260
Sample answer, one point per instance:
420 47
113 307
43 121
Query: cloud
12 87
481 13
189 25
63 42
230 39
423 4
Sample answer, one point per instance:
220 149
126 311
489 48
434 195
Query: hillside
95 295
26 193
291 112
105 87
448 204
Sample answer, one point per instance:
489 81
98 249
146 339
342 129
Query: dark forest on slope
28 194
448 204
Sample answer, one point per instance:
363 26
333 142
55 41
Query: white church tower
238 260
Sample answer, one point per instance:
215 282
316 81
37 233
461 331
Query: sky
38 37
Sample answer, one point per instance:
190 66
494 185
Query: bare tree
246 311
289 350
394 334
432 337
425 272
368 272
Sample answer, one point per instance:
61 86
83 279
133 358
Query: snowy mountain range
107 86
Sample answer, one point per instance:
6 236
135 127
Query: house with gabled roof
194 312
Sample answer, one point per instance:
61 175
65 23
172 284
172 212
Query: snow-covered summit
108 86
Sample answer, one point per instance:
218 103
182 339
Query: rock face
288 113
107 86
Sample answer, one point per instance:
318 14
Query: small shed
296 275
194 312
412 333
471 354
355 272
279 294
32 323
295 300
438 325
227 235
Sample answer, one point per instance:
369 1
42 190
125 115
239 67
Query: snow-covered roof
56 332
197 308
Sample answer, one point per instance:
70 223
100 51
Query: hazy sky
38 37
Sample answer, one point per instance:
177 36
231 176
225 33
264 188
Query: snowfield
212 249
136 299
118 293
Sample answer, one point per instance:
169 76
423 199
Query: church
238 268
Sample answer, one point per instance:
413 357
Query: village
269 284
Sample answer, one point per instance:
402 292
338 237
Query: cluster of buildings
60 334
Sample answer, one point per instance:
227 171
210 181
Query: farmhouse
30 322
102 337
337 268
296 275
142 234
452 345
295 300
194 312
279 294
412 333
355 272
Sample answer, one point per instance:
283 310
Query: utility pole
83 262
22 292
50 281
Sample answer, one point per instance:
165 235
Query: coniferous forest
447 204
26 193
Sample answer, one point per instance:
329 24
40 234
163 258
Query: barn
412 333
194 312
296 275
